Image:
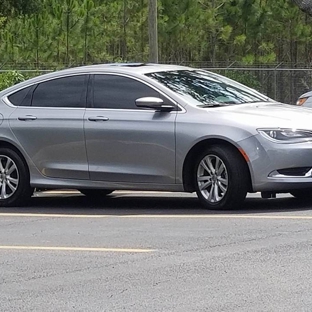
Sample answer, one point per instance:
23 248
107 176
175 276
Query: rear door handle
98 118
27 117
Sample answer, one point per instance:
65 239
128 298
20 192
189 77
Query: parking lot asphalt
149 251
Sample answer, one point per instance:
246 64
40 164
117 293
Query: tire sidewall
23 189
237 177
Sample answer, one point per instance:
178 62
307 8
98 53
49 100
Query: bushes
10 78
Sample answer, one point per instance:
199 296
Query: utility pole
152 31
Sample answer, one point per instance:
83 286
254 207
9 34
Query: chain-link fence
304 5
282 84
279 82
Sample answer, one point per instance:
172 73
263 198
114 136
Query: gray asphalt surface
155 252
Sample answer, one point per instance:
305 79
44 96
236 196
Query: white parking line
157 216
126 250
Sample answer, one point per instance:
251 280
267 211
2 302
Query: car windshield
205 89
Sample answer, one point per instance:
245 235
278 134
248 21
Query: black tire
15 187
226 187
305 194
95 193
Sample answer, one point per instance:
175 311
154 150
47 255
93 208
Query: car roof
122 68
139 68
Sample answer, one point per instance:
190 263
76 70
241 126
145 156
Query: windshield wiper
214 104
253 102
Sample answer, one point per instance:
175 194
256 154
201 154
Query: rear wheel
14 179
95 192
221 178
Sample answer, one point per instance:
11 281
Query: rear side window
61 92
21 97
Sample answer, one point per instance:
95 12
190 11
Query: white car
150 127
305 99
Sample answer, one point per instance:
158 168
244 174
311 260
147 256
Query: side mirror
154 103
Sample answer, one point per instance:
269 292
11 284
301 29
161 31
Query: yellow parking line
127 250
157 216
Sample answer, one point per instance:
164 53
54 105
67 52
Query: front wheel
221 177
14 179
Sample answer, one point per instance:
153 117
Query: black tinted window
61 92
118 92
21 97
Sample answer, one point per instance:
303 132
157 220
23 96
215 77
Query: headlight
301 101
286 135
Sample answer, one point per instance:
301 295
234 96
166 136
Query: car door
48 123
125 143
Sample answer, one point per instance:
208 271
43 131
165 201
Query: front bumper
278 167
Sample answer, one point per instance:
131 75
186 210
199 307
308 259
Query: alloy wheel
212 178
9 177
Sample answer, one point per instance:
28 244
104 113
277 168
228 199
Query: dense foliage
70 32
10 78
17 7
304 5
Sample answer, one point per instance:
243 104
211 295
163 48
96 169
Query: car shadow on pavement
136 203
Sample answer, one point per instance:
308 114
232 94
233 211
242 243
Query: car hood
268 114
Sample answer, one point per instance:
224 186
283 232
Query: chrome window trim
90 109
6 100
49 108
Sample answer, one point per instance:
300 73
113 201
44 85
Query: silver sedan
154 127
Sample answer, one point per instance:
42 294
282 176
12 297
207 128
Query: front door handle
27 117
98 118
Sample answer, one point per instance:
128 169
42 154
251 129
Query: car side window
118 92
61 92
21 97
